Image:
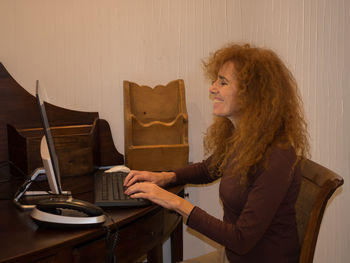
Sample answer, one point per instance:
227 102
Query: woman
254 145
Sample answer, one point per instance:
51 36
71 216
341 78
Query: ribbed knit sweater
259 223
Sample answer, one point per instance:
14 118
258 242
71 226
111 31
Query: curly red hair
271 111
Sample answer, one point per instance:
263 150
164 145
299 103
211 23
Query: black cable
17 168
3 163
111 241
23 186
12 164
6 177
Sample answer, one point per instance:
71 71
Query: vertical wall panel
82 50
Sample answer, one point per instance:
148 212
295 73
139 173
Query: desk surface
141 231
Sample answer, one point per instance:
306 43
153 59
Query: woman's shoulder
282 154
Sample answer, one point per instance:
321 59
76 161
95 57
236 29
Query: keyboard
109 191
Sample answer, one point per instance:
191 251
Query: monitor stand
26 200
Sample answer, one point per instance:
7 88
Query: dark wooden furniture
88 139
141 233
317 186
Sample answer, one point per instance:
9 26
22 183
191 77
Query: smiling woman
224 90
255 146
270 108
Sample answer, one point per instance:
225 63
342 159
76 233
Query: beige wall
82 50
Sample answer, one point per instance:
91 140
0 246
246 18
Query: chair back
317 186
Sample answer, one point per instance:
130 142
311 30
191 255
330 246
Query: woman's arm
192 174
159 178
161 197
264 199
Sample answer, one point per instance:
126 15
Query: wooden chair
317 186
155 126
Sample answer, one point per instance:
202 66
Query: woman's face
224 91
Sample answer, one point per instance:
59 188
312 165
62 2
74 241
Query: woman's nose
213 88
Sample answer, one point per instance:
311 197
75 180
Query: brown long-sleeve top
259 223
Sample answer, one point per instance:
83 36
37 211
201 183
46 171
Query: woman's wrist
168 178
183 207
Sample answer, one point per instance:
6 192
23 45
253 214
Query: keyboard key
109 190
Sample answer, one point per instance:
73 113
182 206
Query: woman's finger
132 177
129 177
131 180
134 188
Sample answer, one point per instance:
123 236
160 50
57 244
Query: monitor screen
47 148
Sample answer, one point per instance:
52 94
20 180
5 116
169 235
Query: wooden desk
141 232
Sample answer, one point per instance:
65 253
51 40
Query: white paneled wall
82 50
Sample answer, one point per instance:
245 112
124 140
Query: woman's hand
161 179
160 196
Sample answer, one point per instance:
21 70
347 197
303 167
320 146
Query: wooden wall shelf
156 126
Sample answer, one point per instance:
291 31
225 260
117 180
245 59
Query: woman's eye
223 83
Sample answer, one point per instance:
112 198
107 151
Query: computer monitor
47 147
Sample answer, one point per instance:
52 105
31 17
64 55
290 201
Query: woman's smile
224 91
